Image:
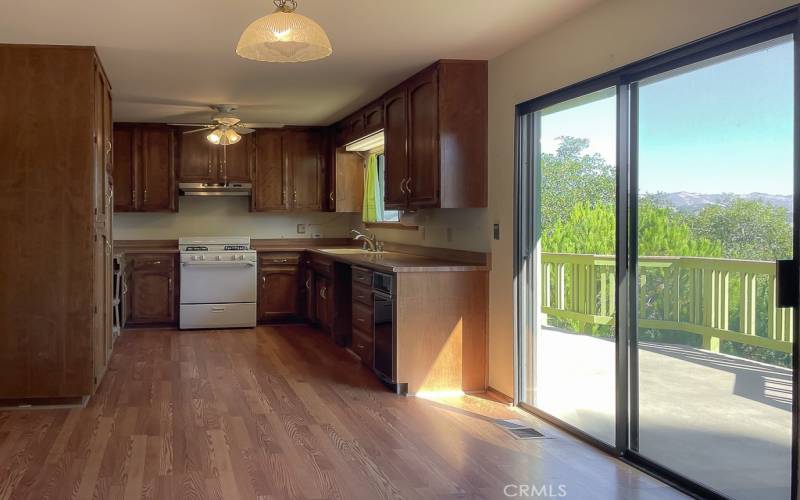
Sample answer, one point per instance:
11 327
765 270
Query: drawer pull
280 261
361 320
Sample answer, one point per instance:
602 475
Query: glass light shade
229 137
215 137
284 37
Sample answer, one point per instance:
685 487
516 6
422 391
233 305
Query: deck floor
281 412
720 420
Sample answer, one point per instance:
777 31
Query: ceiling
167 59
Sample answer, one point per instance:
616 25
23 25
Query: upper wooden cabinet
289 170
443 161
395 134
144 168
363 122
435 127
202 161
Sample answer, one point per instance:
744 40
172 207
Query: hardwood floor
280 412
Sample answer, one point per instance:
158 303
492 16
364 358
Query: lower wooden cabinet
324 303
150 290
279 286
278 293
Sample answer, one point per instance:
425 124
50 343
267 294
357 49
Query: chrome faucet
369 239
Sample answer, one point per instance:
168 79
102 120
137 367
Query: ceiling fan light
215 137
284 37
231 137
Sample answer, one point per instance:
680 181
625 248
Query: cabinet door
303 152
198 158
152 297
270 185
310 284
237 160
158 169
278 295
396 147
349 181
423 142
373 118
323 310
124 172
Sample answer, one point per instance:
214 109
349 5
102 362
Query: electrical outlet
316 235
449 234
301 229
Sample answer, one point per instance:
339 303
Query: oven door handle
217 264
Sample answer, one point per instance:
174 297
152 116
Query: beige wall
607 36
463 229
226 216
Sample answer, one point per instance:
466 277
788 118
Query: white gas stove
218 283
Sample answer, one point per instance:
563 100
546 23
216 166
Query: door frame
781 23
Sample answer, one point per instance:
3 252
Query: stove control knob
219 257
194 257
241 257
202 257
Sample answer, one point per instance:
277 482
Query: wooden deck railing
717 299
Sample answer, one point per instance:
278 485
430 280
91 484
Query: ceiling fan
226 128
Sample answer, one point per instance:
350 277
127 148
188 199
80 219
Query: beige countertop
388 261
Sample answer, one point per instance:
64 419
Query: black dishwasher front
383 314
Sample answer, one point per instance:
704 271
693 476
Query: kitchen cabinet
309 294
395 134
55 210
279 291
361 311
436 138
202 161
289 170
363 122
144 168
324 303
347 185
152 289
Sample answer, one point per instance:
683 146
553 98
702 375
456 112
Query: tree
746 229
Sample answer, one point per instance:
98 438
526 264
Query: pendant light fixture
284 36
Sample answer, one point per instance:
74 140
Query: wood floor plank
280 412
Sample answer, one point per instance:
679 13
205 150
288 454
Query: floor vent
519 429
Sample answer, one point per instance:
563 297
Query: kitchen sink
347 251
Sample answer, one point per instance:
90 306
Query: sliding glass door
571 346
715 196
653 206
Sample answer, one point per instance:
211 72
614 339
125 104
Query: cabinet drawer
362 294
363 347
362 276
278 258
362 317
154 262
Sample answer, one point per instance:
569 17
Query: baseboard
499 396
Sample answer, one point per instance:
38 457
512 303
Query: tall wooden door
157 169
270 185
124 171
423 141
395 133
237 160
198 158
303 151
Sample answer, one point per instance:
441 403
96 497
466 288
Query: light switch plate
301 229
496 231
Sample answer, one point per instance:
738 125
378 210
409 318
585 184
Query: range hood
215 189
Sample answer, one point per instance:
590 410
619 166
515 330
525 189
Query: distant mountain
684 201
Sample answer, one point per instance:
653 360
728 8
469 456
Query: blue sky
723 126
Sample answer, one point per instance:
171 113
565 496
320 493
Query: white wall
605 37
226 216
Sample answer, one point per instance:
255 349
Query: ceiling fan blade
191 124
244 130
261 125
204 129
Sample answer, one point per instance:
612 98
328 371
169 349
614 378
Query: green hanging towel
373 201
